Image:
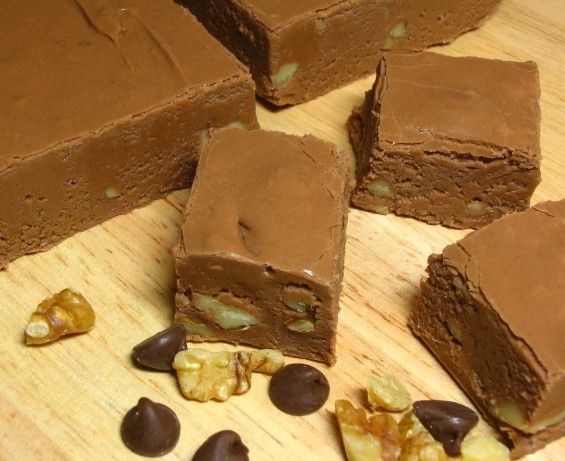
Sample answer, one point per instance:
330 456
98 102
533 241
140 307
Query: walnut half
205 375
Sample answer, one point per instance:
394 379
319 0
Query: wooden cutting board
66 401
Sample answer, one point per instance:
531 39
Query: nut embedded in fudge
298 50
492 313
452 141
102 108
260 260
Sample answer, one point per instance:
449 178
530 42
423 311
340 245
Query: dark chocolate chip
222 446
150 429
299 389
158 351
447 422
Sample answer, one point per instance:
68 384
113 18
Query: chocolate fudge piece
492 313
300 49
453 141
103 105
260 261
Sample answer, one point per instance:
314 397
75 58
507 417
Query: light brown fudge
300 49
492 312
103 106
260 261
452 141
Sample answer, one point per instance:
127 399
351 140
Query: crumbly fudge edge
428 329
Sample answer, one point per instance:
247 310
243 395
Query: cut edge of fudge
490 351
115 197
428 155
300 71
282 305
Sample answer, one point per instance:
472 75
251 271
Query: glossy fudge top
278 13
69 67
436 103
517 263
269 198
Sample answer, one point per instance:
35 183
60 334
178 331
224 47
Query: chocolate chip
158 351
447 422
299 389
222 446
150 429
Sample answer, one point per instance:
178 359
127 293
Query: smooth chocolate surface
222 446
150 428
299 389
453 141
491 312
158 351
448 422
300 49
102 106
261 256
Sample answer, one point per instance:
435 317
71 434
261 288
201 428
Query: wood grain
66 401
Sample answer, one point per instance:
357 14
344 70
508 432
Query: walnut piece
225 316
65 313
205 375
301 326
299 299
417 443
387 393
399 30
475 208
381 188
373 439
266 361
196 328
285 73
112 192
422 447
410 426
480 448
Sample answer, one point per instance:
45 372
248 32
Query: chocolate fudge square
260 260
452 141
103 105
492 312
300 49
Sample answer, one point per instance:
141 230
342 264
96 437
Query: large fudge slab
103 105
452 141
260 261
300 49
492 312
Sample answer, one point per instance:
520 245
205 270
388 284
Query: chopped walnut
284 74
483 447
302 326
267 361
376 438
65 313
410 426
422 447
299 299
205 375
226 316
417 443
388 393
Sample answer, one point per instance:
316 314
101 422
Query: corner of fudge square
491 311
260 261
452 141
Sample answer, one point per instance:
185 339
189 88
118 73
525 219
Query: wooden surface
66 401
